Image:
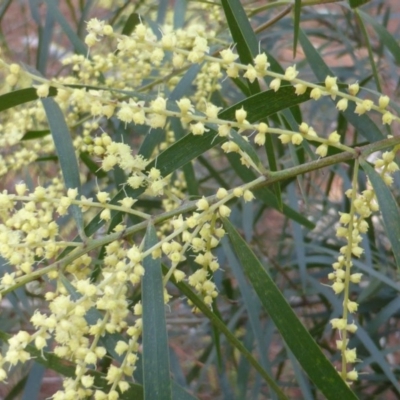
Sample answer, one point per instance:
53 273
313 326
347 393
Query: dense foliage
199 200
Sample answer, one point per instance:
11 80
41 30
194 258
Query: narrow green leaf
388 208
34 8
179 13
79 46
192 184
45 38
84 17
357 3
156 370
183 88
371 54
15 391
66 153
162 6
296 24
32 135
386 37
91 165
130 24
267 103
34 382
273 166
298 237
364 125
378 357
242 35
250 300
21 96
300 342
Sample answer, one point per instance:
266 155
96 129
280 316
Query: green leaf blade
66 154
296 27
293 332
22 96
388 208
156 370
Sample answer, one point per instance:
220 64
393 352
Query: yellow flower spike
322 150
103 197
341 274
212 110
202 204
352 375
352 306
367 104
387 118
360 109
275 84
238 192
91 39
198 129
251 73
248 196
284 138
108 30
354 88
352 328
43 90
261 63
303 128
228 56
15 69
179 275
351 355
11 80
383 102
291 73
221 193
316 94
340 343
297 138
262 127
185 106
260 139
233 71
345 218
240 115
334 137
330 82
338 287
338 323
230 147
342 104
300 88
224 130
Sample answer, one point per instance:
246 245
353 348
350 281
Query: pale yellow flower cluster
352 226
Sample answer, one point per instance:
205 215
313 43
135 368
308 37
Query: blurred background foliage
357 44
